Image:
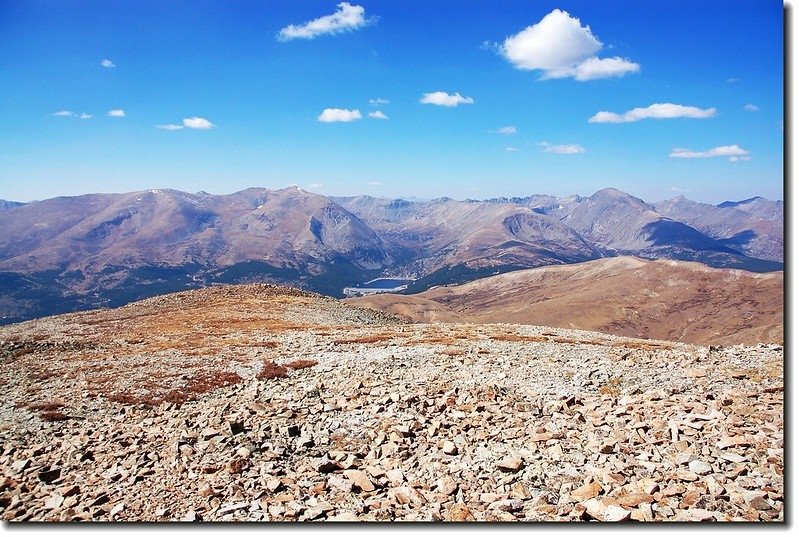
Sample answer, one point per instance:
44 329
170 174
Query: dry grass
272 371
518 338
453 352
53 416
301 364
612 387
46 406
374 338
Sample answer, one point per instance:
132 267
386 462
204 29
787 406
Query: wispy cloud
751 108
654 111
563 149
314 185
374 183
732 80
117 112
510 129
561 47
333 115
379 101
197 123
511 149
107 63
440 98
734 153
377 114
346 18
69 113
170 127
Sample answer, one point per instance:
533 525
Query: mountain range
97 250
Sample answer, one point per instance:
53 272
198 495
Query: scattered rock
510 464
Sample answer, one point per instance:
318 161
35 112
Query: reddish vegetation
272 371
204 382
301 364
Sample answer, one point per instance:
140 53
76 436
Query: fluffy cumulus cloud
654 111
107 63
732 152
751 108
441 98
510 129
563 149
377 114
346 18
197 123
561 47
333 115
85 116
379 101
117 112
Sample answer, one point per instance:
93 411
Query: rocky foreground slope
263 403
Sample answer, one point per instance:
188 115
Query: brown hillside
626 296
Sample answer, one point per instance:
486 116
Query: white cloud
511 149
654 111
510 129
377 115
374 183
332 115
346 18
107 63
314 185
594 68
561 47
734 153
378 101
563 149
197 123
85 116
751 108
440 98
116 113
170 127
732 80
64 113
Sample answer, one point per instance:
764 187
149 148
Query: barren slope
261 403
626 296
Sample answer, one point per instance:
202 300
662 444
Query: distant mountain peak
742 202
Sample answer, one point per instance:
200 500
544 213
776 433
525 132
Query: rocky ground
256 403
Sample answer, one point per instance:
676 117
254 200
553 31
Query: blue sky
716 69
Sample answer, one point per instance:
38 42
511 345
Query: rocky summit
263 403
